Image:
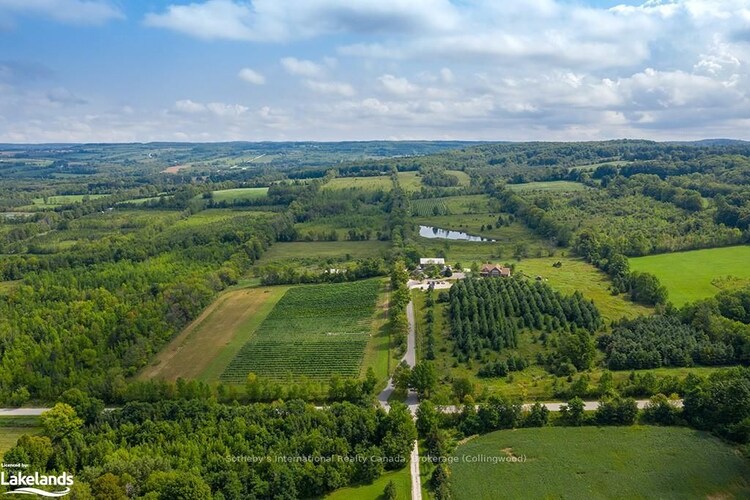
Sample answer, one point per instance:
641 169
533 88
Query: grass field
367 183
575 274
316 331
591 463
12 428
306 250
205 348
452 205
697 274
410 181
240 194
551 186
463 177
401 478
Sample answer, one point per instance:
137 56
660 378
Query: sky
330 70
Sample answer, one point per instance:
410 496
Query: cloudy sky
214 70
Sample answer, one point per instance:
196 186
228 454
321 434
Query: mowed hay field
576 274
314 330
208 344
594 462
697 274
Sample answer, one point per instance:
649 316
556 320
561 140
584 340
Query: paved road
22 412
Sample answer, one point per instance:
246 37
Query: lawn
315 331
240 194
550 186
206 346
401 478
592 463
697 274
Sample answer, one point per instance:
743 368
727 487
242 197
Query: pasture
315 331
207 345
697 274
594 462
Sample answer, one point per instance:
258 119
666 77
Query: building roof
488 268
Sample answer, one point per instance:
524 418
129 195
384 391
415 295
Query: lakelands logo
26 484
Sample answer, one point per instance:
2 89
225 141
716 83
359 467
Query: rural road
412 400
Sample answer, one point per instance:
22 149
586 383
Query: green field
410 181
463 177
374 183
592 463
551 186
451 205
576 274
240 194
208 344
306 250
401 478
316 331
12 428
697 274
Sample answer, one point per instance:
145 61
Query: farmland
207 345
549 186
239 194
366 183
314 250
611 462
316 331
575 274
697 274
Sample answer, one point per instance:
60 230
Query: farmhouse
494 271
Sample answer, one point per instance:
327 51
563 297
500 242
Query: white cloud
396 85
300 67
273 20
188 106
91 12
335 88
252 76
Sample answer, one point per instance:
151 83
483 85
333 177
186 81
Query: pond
447 234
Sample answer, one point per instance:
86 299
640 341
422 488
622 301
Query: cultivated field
592 462
698 274
208 344
315 330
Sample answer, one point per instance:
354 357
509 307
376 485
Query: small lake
446 234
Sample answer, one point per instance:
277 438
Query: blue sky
213 70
